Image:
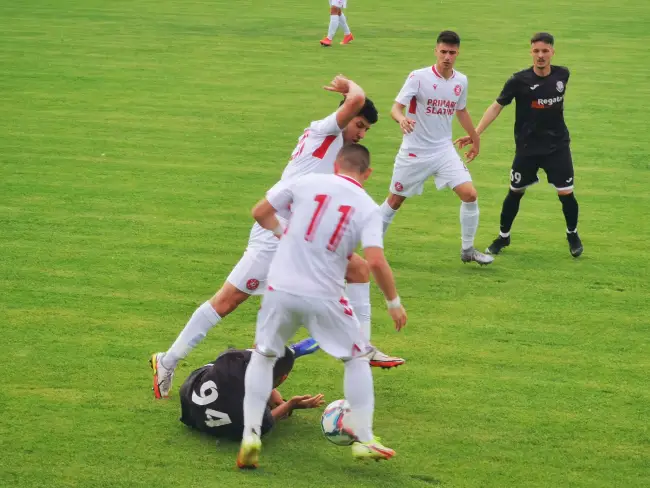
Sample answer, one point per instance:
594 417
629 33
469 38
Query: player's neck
446 73
542 72
350 176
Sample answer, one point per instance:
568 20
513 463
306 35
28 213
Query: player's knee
358 270
562 193
227 299
467 193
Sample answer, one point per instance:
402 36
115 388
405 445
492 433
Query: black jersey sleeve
508 93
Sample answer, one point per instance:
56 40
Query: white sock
387 214
359 295
343 22
334 25
360 394
202 320
258 384
504 234
468 222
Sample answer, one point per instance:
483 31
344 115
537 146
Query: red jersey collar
351 180
437 73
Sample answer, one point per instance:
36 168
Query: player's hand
461 142
399 317
308 401
340 84
407 125
473 152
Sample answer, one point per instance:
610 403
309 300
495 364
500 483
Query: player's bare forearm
490 115
276 399
397 112
466 122
264 214
355 97
381 271
282 411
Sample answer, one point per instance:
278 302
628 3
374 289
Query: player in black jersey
541 138
212 397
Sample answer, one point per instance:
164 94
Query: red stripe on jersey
435 72
413 105
350 179
322 149
411 155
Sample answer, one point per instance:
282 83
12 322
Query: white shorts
411 172
250 273
331 322
339 3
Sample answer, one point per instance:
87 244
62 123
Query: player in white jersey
433 95
332 214
315 153
337 19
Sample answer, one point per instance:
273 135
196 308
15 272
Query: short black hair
544 37
284 365
448 37
354 157
368 111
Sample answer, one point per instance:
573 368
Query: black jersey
212 397
539 119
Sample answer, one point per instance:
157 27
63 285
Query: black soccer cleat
497 245
575 244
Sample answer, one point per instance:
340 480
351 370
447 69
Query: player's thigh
450 171
409 175
250 273
277 321
558 167
336 328
523 172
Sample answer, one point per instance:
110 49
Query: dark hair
284 365
544 37
354 157
448 37
368 111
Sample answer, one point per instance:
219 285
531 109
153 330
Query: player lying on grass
212 397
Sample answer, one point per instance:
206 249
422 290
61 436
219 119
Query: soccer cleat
304 347
347 39
473 254
498 244
575 244
325 42
249 452
381 360
162 376
364 451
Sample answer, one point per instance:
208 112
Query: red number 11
337 235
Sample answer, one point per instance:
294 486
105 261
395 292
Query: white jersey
331 214
431 101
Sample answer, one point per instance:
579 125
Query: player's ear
367 173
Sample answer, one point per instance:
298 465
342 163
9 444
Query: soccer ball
333 423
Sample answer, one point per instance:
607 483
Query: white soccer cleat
162 376
381 360
473 254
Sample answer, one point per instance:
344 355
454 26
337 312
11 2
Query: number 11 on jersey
346 214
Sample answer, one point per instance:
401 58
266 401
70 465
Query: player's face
446 55
356 130
542 54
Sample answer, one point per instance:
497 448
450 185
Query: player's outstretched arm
383 275
489 116
355 97
397 113
264 214
466 122
297 402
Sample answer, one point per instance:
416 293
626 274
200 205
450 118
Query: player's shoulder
420 72
324 123
560 70
461 77
522 74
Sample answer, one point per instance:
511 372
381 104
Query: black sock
570 210
510 209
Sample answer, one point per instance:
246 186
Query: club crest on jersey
560 86
457 90
398 186
252 284
435 86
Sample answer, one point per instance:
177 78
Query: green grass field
135 136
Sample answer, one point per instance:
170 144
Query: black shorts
558 167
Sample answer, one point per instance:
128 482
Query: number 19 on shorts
515 177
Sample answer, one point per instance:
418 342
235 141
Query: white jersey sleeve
462 100
326 126
372 234
409 90
280 195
